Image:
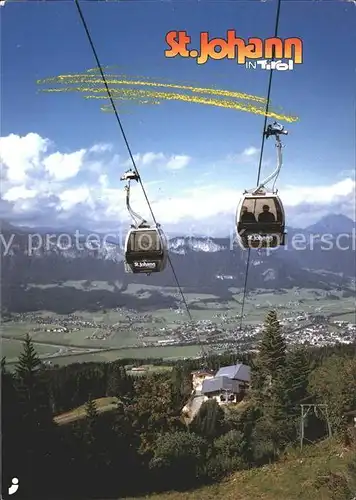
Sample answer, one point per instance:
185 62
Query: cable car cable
268 97
261 157
85 26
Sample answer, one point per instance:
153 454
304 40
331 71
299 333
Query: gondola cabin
260 221
146 250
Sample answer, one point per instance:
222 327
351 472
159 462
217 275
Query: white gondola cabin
260 220
146 247
146 250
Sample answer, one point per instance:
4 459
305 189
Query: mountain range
321 256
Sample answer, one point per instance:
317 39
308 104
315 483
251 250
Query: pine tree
31 387
91 422
298 370
11 427
181 385
269 387
119 384
115 382
92 446
28 363
210 420
91 411
36 427
273 347
271 360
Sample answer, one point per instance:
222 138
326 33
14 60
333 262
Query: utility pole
305 409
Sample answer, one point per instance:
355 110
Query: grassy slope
103 404
292 478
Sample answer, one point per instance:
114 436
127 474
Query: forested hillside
140 444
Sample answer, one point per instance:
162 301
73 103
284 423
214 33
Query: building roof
235 372
220 384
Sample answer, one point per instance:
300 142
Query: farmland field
11 349
127 333
169 352
76 338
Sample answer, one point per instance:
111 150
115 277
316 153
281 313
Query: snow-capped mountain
32 261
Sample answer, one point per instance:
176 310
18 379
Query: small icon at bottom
14 486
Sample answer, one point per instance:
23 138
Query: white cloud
251 151
248 155
28 158
72 197
351 172
216 203
64 166
111 163
171 162
145 159
148 159
318 195
96 199
19 192
101 148
103 181
178 162
20 155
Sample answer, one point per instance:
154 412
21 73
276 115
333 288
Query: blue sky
320 148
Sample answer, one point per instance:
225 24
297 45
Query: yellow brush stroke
91 84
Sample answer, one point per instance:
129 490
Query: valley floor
307 315
297 476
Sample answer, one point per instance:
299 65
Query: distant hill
203 265
334 224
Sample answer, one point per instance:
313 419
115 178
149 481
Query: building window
222 398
